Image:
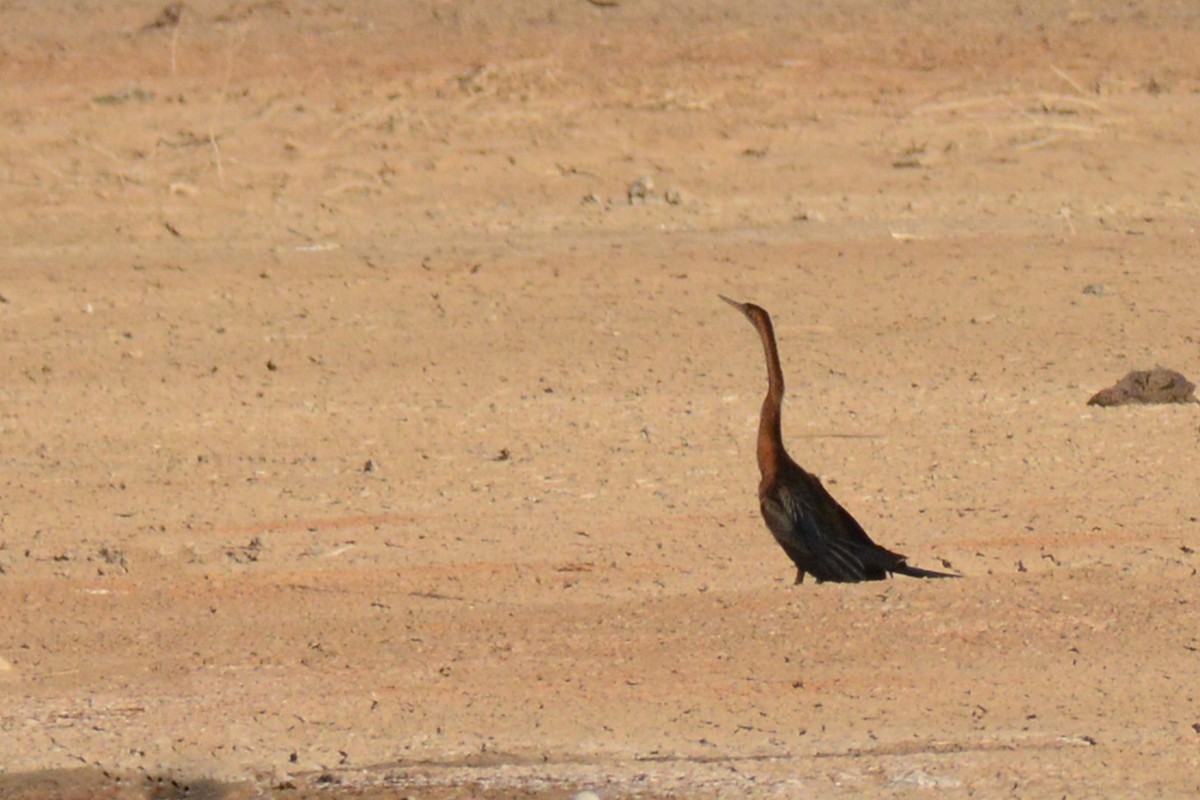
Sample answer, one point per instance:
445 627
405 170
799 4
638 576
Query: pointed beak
739 306
742 307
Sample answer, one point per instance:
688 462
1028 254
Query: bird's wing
781 522
785 532
845 520
831 556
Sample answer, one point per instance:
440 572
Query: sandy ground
370 420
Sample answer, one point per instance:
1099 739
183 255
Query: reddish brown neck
770 423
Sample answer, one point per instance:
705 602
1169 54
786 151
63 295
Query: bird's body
817 533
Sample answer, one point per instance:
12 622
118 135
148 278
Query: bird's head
757 315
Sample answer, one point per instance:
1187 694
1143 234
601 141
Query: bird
820 536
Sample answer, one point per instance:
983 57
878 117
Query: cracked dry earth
371 426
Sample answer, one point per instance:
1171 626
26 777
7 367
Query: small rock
248 553
640 190
1095 289
673 197
1155 386
169 17
114 557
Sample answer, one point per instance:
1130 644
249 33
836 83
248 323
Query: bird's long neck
770 423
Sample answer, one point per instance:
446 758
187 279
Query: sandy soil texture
370 420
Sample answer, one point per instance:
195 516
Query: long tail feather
916 572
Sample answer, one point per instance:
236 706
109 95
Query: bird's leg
799 577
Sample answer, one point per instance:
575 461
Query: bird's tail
916 572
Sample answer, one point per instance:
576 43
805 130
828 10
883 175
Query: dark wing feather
816 545
823 539
844 520
783 525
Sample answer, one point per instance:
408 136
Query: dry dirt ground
370 421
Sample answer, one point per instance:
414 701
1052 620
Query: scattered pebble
248 553
640 190
168 17
114 557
